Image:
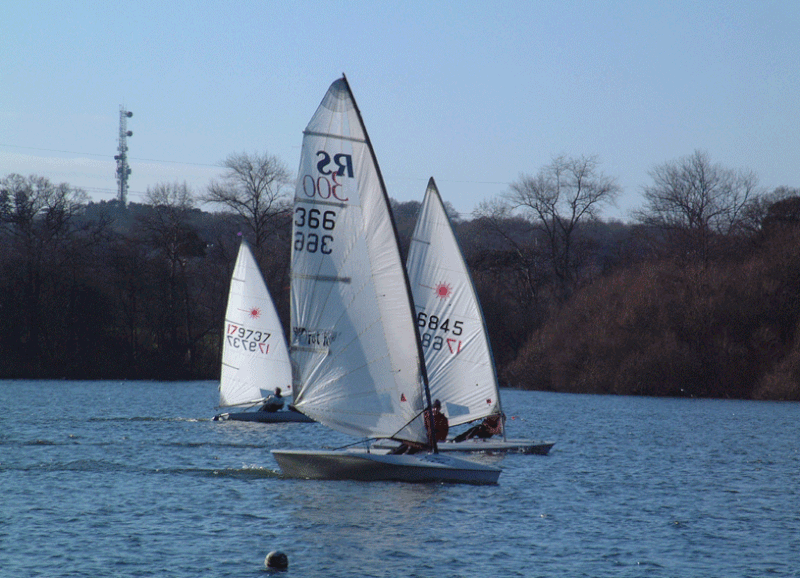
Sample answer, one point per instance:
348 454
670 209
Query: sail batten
323 278
334 136
318 202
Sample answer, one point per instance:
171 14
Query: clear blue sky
471 93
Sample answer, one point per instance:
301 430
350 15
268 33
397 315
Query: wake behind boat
255 359
354 343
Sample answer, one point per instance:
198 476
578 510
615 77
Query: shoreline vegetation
656 307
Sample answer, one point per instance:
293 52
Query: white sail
461 371
255 359
353 342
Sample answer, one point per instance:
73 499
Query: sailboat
255 359
455 341
354 344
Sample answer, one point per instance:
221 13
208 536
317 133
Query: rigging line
365 441
457 181
107 155
392 177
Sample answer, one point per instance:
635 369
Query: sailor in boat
440 423
491 426
441 428
274 402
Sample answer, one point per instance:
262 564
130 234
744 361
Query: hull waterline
265 417
369 467
488 446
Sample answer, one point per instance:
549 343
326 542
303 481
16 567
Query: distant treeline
105 291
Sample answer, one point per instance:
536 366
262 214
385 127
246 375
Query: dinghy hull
487 446
265 417
369 467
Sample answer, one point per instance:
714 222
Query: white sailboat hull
517 446
488 446
283 416
370 467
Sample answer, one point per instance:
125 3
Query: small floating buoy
276 561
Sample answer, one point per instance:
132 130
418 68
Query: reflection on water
133 478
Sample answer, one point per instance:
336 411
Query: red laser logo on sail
255 313
443 290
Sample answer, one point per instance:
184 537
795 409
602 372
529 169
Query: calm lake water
134 479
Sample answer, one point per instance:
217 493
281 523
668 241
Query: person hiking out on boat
274 402
491 426
441 425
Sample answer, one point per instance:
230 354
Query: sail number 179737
248 339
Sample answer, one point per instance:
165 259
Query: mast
420 352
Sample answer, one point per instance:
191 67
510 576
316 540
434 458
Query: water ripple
134 479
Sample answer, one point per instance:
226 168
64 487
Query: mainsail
255 358
353 343
461 370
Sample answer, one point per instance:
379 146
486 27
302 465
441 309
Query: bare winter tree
511 273
169 231
168 222
521 258
695 200
562 195
254 186
34 207
776 207
42 245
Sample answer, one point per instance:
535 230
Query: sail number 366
316 239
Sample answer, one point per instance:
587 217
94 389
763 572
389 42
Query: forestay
255 358
353 341
458 357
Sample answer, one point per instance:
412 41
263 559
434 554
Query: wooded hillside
102 291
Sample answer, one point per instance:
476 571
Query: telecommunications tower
123 170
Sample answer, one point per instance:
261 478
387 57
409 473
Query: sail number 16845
430 324
434 323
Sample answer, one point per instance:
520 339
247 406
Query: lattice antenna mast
123 170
